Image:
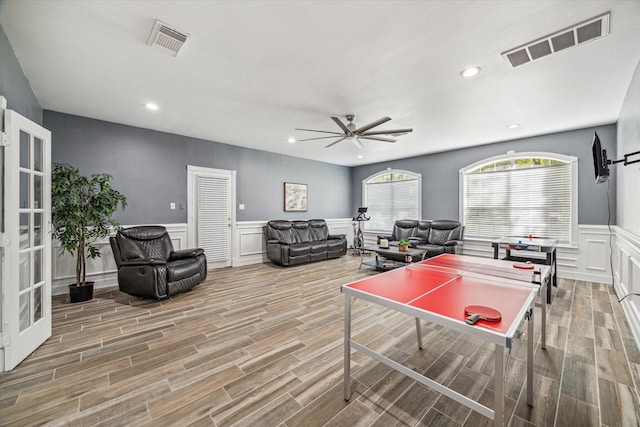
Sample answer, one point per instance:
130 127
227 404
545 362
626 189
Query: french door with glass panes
26 267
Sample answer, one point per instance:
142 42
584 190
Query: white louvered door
211 195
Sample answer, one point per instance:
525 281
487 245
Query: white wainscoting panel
627 277
101 270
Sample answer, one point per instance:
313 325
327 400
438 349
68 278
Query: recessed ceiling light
151 106
469 72
360 156
291 140
513 126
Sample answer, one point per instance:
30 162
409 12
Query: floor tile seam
626 354
566 345
595 358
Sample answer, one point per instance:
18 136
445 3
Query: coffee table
393 257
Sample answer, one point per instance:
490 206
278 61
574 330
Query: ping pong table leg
543 326
419 332
498 386
347 347
530 357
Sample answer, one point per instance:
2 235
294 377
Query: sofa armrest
383 236
185 254
453 242
415 241
337 236
277 242
143 261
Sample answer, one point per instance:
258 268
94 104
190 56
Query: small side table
526 246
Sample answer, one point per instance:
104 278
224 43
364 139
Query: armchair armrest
143 261
383 236
185 254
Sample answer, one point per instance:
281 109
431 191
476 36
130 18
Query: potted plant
403 245
81 210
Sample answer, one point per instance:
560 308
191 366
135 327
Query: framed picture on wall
295 197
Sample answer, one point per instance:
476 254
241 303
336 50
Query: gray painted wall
440 172
150 168
629 142
14 85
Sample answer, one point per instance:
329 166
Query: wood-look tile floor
262 345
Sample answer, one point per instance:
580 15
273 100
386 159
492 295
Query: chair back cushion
424 227
301 231
280 230
404 228
443 230
318 229
147 241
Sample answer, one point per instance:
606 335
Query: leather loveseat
148 267
437 236
299 242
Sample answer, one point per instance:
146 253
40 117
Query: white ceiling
252 71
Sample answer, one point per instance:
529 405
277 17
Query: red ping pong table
437 290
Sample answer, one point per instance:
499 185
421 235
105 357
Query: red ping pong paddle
481 312
523 265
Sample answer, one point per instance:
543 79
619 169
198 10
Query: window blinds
519 202
389 201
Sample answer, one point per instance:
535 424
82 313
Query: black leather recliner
148 267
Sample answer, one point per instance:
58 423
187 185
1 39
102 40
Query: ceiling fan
355 134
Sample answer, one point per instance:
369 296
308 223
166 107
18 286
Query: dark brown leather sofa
437 236
300 242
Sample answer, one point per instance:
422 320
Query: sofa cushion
318 229
280 230
432 250
438 237
423 229
318 247
298 249
301 231
404 228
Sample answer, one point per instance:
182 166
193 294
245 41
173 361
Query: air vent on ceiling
583 32
166 37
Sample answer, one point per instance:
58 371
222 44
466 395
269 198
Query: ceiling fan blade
335 142
357 143
377 138
322 131
387 132
341 125
320 137
372 125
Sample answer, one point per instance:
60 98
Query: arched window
520 195
390 195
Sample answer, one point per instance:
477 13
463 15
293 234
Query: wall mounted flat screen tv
600 162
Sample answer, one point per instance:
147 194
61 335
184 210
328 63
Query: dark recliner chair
148 267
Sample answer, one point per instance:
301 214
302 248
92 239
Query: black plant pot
81 293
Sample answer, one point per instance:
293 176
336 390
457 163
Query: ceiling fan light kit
356 134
